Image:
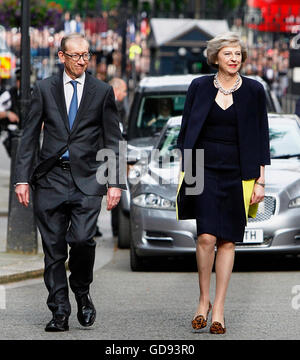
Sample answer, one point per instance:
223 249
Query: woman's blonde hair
217 43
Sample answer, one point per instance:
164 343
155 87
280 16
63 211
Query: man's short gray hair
217 43
68 37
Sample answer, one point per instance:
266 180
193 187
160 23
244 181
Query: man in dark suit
79 118
120 90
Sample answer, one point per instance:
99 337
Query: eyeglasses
76 57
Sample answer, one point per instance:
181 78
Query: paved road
158 305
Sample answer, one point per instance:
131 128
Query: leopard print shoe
217 328
200 322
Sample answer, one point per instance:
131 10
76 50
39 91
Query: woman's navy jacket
253 133
251 111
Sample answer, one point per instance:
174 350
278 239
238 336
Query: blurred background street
126 36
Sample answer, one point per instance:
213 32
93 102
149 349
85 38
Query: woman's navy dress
220 207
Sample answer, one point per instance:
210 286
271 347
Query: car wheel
136 262
123 230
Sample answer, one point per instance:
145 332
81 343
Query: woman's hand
258 194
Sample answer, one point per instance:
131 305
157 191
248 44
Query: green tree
221 8
82 6
42 13
111 4
213 8
163 4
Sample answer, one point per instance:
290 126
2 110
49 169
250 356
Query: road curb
4 279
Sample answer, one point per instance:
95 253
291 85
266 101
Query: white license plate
253 236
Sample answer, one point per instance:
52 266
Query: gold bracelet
261 184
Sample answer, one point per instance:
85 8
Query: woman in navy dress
225 114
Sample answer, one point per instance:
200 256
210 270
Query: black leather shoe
86 314
58 323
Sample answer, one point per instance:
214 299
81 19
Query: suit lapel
240 102
87 97
59 97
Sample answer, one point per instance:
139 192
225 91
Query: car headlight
154 201
134 171
295 202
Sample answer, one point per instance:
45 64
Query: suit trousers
65 216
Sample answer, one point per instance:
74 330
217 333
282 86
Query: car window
284 138
168 151
156 110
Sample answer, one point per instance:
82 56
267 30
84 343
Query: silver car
276 228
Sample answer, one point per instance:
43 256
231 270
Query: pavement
16 266
13 266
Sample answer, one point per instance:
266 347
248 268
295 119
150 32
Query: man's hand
22 192
12 117
113 197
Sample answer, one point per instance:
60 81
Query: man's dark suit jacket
95 127
253 131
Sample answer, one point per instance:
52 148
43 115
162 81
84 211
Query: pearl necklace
223 91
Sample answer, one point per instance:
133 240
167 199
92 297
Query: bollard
21 226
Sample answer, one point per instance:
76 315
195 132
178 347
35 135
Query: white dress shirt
68 88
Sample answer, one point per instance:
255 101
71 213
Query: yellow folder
248 185
181 176
250 210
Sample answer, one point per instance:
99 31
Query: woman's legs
205 255
223 267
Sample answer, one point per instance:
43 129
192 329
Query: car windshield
284 138
168 153
155 110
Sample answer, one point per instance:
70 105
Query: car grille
266 210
